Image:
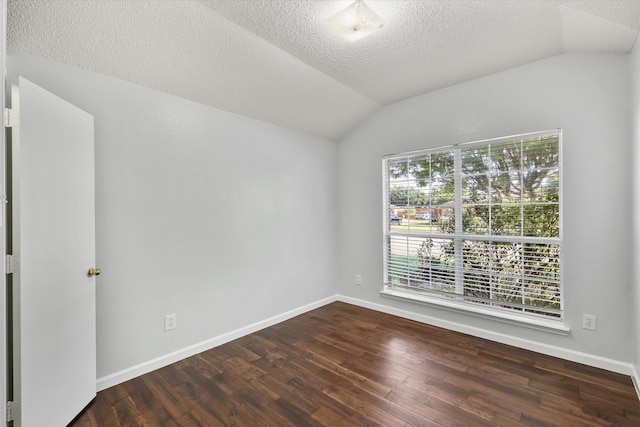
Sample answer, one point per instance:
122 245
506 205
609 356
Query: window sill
552 326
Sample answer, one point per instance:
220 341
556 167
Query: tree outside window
494 238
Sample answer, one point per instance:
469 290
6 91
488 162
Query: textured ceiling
276 62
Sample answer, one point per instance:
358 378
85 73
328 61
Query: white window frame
460 304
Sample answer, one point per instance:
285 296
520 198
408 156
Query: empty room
320 213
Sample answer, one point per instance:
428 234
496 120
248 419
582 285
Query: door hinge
13 410
12 264
9 118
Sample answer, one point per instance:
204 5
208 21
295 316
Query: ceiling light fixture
355 22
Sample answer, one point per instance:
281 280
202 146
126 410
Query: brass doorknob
93 272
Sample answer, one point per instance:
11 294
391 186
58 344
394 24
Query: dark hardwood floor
342 365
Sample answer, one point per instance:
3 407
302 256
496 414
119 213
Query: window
477 223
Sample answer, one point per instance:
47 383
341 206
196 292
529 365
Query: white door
53 237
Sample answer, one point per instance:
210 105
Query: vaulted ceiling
273 60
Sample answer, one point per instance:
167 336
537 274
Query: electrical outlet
169 322
589 322
358 279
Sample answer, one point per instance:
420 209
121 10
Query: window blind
477 222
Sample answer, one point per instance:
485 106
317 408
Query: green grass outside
416 226
403 265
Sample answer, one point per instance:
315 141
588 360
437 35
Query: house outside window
477 224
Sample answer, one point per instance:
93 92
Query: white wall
228 221
634 66
585 95
224 220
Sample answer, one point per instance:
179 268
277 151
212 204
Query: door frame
4 345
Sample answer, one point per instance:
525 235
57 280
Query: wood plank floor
342 365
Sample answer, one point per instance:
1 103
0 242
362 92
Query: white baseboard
635 379
550 350
159 362
572 355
